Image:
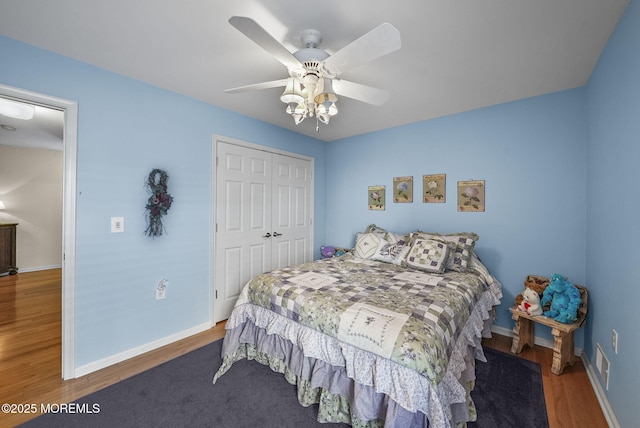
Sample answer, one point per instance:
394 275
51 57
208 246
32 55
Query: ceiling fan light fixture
327 108
324 118
326 88
326 101
297 118
292 92
293 108
309 89
325 98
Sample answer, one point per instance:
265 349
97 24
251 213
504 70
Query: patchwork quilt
349 312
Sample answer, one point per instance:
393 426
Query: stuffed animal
327 251
564 298
530 302
536 283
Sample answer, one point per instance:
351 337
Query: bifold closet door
263 218
291 217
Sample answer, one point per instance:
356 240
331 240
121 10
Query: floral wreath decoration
158 203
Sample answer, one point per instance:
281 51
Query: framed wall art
471 195
434 188
376 197
403 189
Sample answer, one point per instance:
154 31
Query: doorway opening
70 130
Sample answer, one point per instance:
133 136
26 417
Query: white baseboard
37 268
122 356
601 395
502 331
591 373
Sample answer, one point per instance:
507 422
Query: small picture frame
471 196
434 188
376 198
403 189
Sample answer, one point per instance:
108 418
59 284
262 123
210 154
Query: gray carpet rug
180 393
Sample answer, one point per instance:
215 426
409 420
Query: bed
384 335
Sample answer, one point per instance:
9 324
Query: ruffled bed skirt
343 399
340 398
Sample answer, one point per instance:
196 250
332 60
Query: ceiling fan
313 86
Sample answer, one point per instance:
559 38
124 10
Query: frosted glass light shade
15 109
292 92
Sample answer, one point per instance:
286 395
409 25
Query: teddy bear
536 283
530 302
564 298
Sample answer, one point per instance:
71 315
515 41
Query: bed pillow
460 248
381 233
366 245
391 237
430 255
394 253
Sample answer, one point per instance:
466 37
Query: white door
263 218
291 217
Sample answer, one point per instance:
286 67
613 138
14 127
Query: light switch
117 224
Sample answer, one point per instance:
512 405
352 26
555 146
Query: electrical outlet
614 341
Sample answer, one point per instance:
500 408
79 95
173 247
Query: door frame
70 148
220 138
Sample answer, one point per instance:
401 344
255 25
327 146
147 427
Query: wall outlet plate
117 224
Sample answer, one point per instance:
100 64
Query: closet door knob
277 234
268 235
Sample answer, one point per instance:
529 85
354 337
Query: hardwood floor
570 400
30 358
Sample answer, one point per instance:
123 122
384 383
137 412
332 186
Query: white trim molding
139 350
39 268
601 395
70 137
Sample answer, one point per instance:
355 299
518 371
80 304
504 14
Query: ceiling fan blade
378 42
257 86
356 91
259 35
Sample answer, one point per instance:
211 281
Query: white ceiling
44 131
456 55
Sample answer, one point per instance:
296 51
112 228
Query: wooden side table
8 248
563 347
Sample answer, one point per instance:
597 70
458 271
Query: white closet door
263 218
243 218
291 217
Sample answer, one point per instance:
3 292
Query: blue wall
531 154
125 129
613 234
560 172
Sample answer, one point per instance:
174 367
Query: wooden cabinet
8 248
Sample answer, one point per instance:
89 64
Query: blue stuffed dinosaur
564 298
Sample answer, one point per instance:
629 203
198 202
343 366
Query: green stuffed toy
564 298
